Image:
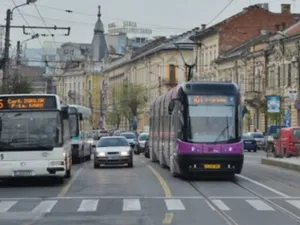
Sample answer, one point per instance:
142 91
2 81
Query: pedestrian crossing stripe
129 205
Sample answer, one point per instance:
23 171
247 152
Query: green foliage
18 86
132 100
115 113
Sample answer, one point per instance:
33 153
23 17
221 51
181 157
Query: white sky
164 17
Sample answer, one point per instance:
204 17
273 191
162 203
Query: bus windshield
211 123
74 126
30 130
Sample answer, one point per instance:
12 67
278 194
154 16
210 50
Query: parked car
143 137
259 138
287 142
249 143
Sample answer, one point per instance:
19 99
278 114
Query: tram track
227 218
269 202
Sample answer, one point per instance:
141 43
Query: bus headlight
124 153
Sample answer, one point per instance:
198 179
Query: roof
161 44
170 44
243 48
290 31
215 28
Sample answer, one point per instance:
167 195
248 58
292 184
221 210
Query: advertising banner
273 104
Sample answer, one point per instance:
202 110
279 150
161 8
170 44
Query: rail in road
147 194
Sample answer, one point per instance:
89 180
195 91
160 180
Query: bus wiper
225 129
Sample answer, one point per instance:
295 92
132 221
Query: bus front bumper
36 168
210 163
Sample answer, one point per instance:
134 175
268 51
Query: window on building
289 75
278 77
172 73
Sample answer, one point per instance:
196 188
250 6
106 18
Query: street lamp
18 6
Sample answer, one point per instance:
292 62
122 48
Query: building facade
234 31
157 66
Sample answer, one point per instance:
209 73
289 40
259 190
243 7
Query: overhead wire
216 16
34 33
52 36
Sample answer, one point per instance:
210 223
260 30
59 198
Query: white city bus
34 136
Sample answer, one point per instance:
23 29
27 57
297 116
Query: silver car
112 150
259 138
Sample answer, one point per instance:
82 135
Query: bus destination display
30 102
200 99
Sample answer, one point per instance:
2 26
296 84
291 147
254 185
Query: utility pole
18 61
6 59
6 51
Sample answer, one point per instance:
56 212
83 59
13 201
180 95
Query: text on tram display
200 99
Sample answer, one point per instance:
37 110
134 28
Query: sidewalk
292 163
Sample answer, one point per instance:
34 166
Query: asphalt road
148 195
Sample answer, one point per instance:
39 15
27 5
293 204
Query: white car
113 150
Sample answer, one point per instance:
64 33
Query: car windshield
111 142
257 135
248 137
211 122
30 130
128 135
143 137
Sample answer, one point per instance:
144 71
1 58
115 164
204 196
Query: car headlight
101 154
124 153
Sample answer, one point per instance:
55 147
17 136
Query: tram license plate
23 173
212 166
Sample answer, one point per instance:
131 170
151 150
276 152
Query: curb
285 165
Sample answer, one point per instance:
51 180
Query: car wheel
254 150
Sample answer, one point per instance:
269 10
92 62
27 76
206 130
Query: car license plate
248 142
113 157
23 173
212 166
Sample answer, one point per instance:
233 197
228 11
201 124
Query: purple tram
196 128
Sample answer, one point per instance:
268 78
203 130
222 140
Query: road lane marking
45 206
260 205
88 206
162 182
263 186
295 203
174 204
168 218
67 187
221 205
131 205
6 205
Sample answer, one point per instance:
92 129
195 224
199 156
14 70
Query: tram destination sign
214 100
27 102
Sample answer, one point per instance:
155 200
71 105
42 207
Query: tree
18 86
114 111
132 100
